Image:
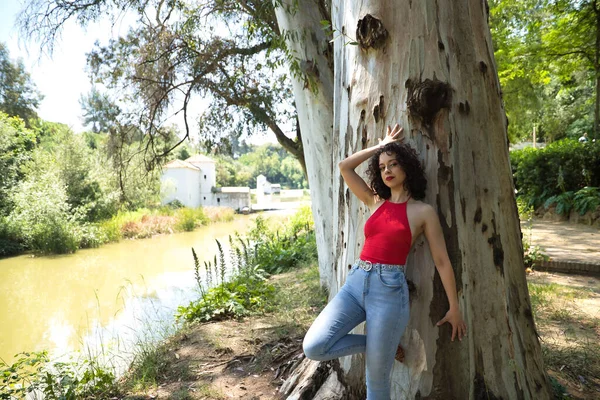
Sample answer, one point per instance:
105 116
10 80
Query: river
102 299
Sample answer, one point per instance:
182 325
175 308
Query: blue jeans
379 297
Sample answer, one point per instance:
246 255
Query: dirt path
565 241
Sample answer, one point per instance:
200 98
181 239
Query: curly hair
415 182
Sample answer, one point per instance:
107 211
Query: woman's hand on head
458 324
393 135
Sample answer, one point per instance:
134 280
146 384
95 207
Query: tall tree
99 111
548 54
430 66
226 51
572 39
18 94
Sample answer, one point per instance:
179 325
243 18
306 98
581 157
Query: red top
387 235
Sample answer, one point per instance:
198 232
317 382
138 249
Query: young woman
375 290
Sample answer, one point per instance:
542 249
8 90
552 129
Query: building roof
200 158
180 164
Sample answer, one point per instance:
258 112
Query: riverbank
140 224
241 359
245 359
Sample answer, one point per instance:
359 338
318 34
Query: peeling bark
302 18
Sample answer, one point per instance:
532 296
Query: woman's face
391 172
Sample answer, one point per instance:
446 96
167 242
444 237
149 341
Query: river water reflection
64 303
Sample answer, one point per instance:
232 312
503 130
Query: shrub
219 214
587 199
564 202
41 214
246 292
563 166
584 200
277 252
189 218
10 242
251 260
33 372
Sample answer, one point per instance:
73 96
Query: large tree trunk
429 65
300 22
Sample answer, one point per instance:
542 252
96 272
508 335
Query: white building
193 183
263 185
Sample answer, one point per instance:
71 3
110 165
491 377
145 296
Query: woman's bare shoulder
378 203
421 208
420 205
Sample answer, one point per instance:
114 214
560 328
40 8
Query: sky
61 77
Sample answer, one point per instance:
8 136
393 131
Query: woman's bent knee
314 350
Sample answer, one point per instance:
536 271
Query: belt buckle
368 265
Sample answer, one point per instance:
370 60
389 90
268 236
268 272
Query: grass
569 335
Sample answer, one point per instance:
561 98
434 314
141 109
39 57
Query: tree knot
370 32
427 98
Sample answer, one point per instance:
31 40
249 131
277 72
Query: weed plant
33 375
532 255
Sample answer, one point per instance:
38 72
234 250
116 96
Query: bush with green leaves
190 218
532 255
279 251
10 239
587 199
247 291
16 144
562 166
41 214
32 374
582 201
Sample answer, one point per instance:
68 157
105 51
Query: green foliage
99 111
587 199
246 292
277 251
16 145
563 166
148 365
544 52
41 214
563 201
234 299
16 380
89 193
278 167
33 373
558 390
18 94
190 218
10 240
532 255
269 160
